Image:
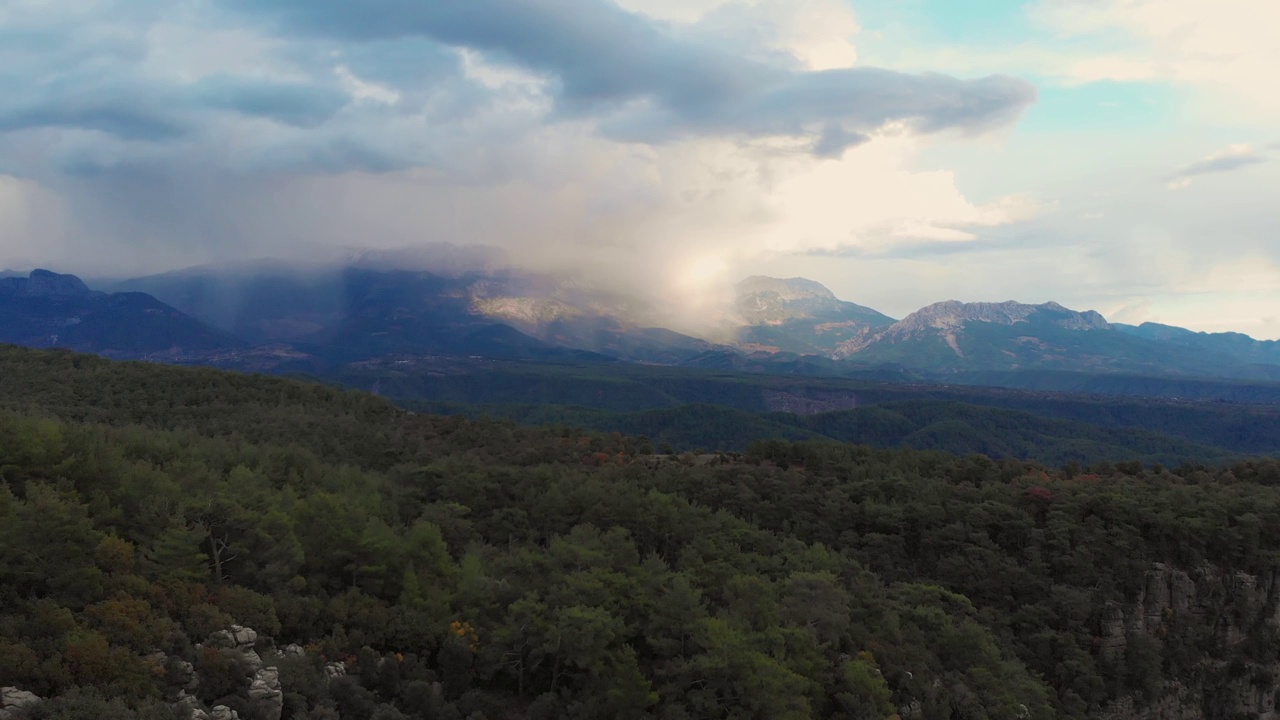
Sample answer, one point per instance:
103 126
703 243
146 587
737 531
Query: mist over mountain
800 315
378 303
446 299
460 301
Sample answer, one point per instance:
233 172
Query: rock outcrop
222 712
237 636
240 639
265 693
263 689
189 706
13 700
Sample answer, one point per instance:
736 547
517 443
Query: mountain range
46 309
279 316
955 338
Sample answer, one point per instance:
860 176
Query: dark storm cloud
106 100
290 103
599 53
189 128
117 116
159 111
631 77
403 61
834 140
343 155
651 82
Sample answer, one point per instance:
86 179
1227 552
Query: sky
1115 155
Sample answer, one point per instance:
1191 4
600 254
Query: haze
1115 155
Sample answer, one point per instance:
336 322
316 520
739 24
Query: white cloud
1225 48
1236 295
873 198
364 90
675 11
817 33
471 146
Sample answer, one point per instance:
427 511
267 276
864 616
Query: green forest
713 410
189 543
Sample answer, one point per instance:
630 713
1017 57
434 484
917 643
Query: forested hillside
698 409
949 426
188 543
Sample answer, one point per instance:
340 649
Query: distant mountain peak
44 283
952 314
49 309
947 321
800 315
787 289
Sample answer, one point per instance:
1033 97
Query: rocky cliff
1205 638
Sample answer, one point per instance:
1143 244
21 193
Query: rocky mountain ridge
948 319
952 314
364 310
761 300
799 315
43 283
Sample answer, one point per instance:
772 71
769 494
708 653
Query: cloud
289 103
808 34
139 74
1234 157
654 82
1225 49
657 147
329 87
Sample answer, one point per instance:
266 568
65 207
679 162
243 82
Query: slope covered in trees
409 566
714 409
944 425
